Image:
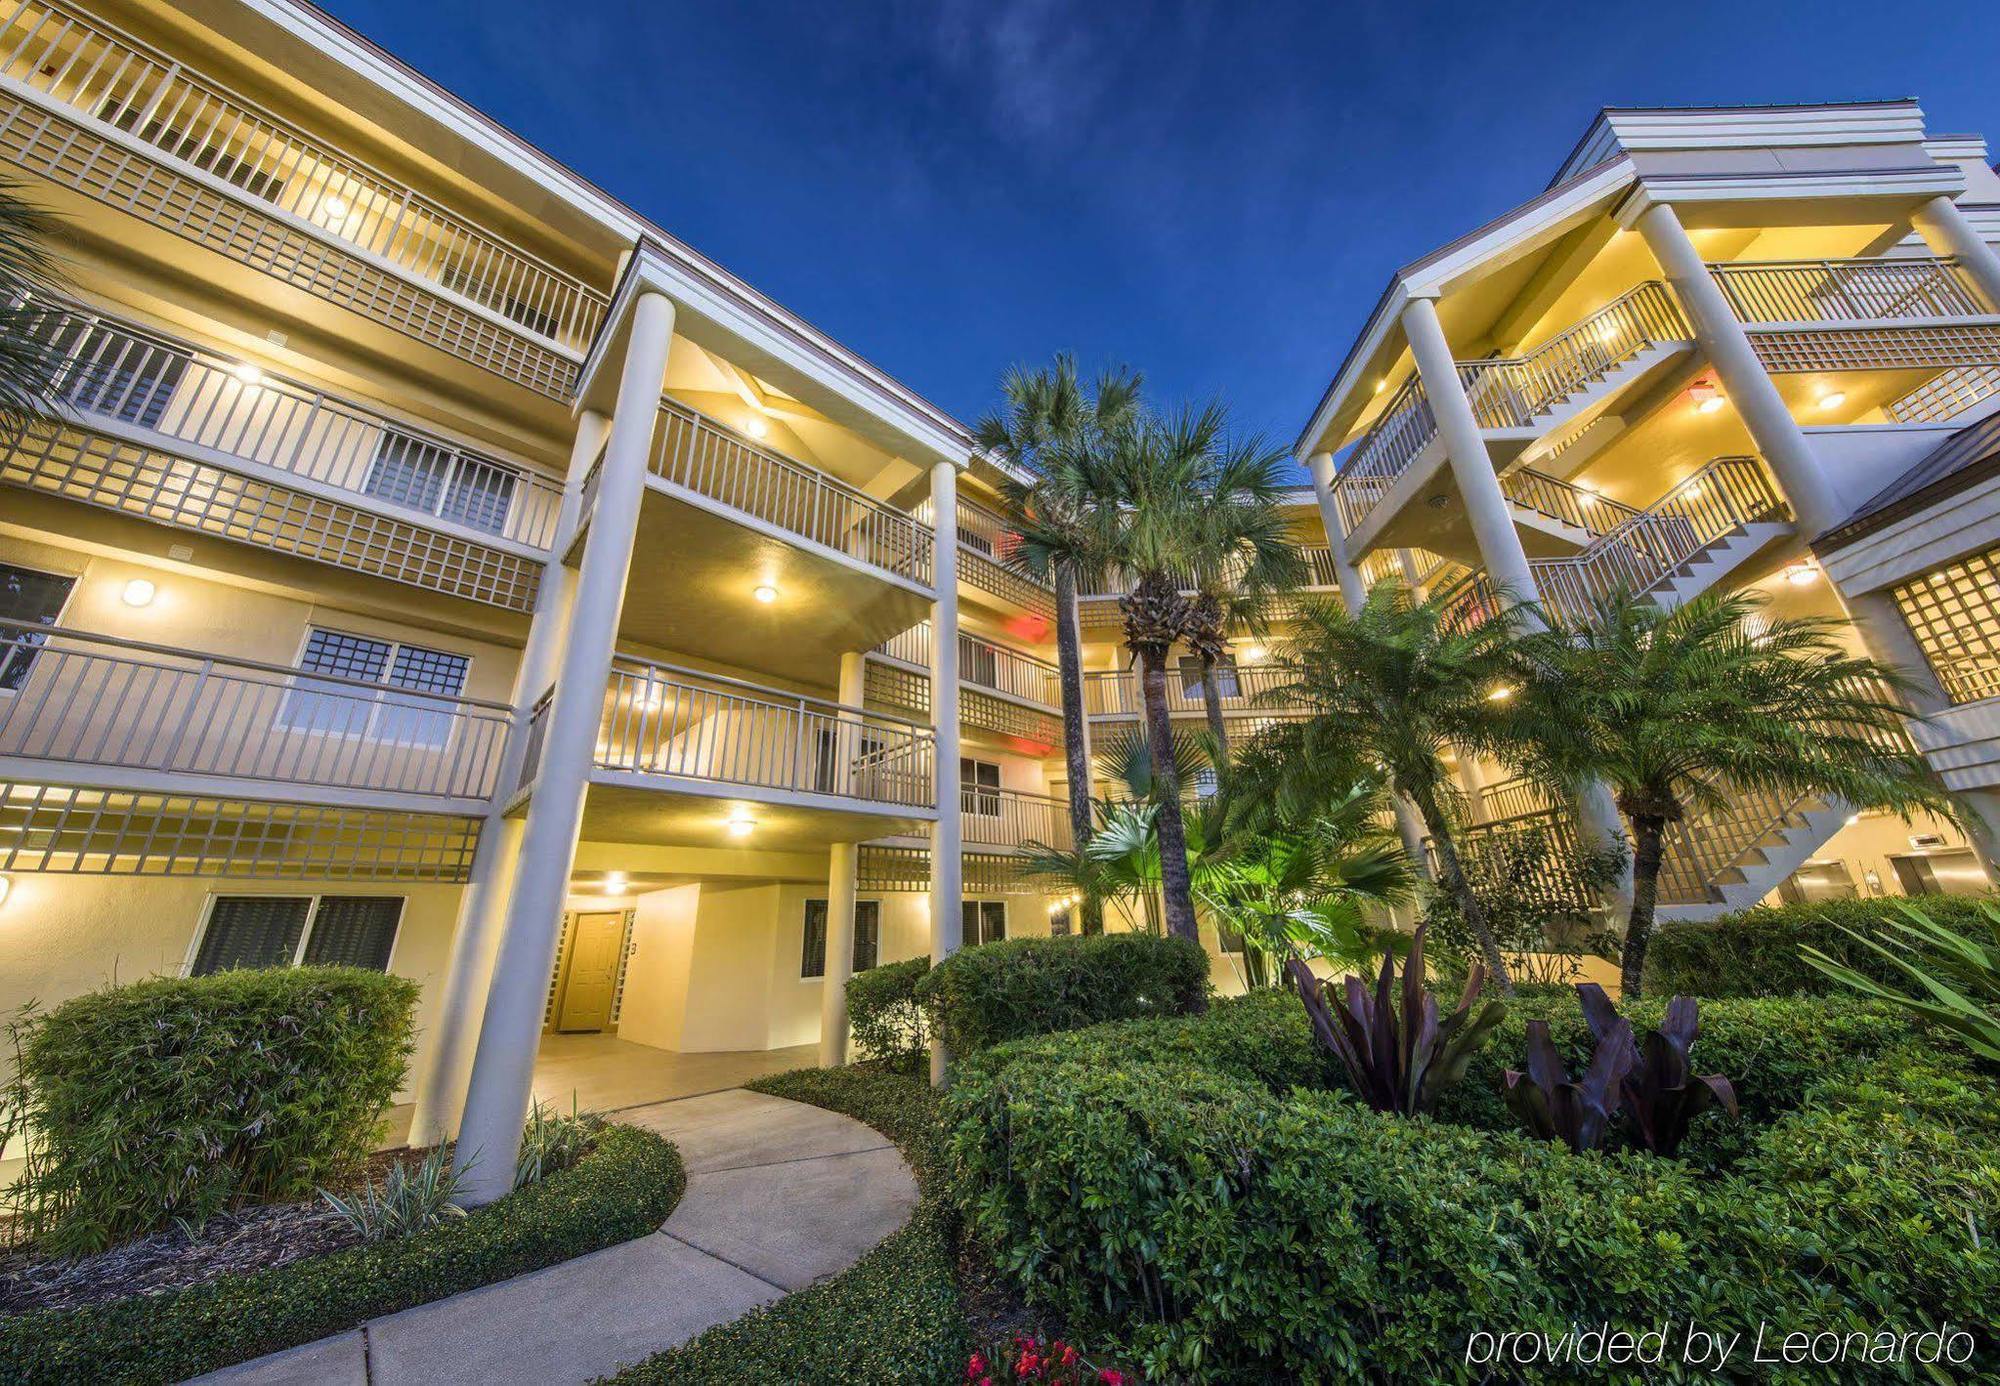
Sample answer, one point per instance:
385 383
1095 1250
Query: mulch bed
252 1238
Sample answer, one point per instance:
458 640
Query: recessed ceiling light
1801 574
139 592
1833 399
336 207
248 374
742 827
1710 405
614 883
1381 383
756 427
765 593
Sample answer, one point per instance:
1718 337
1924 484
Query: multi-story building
1749 346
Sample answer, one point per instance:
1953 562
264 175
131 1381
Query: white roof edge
1893 120
314 26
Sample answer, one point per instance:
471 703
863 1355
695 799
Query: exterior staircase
1731 859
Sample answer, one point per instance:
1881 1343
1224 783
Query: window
982 921
979 787
333 710
286 930
33 598
867 937
1059 923
828 743
1225 678
440 481
1955 615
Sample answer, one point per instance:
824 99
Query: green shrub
892 1317
887 1017
168 1100
1016 987
1755 952
1231 1228
625 1188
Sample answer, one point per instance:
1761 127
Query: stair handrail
1564 502
1718 498
1399 433
1508 392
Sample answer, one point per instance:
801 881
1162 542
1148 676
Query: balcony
683 755
92 108
1011 819
171 433
1012 695
1246 691
83 709
1922 315
985 543
723 516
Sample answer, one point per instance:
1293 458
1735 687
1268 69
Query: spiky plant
1390 687
1044 411
1955 977
30 364
1677 711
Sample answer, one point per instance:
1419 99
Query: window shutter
251 931
812 962
354 931
867 933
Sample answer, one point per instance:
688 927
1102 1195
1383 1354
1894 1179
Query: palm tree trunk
1649 849
1459 888
1076 754
1211 701
1175 885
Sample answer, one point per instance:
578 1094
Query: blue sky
1212 193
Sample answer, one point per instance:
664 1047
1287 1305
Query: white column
1946 231
1744 379
1471 466
1352 591
843 867
482 908
1410 828
503 1066
947 890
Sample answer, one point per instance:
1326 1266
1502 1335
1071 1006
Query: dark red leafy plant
1662 1093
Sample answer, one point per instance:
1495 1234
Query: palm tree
1678 711
1390 686
1168 498
1044 409
29 362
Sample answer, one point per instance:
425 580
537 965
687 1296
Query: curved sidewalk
779 1195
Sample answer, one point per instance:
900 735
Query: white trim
1617 129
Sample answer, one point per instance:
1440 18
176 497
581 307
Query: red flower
1065 1354
976 1367
1111 1378
1028 1364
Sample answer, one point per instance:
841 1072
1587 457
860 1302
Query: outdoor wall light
614 883
1710 405
336 207
1253 651
139 592
765 593
742 827
1802 574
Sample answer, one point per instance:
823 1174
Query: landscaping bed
1203 1190
623 1188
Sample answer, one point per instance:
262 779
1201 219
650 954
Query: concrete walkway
779 1194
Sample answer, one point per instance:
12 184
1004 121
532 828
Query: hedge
1228 1225
892 1317
887 1017
1755 952
167 1100
623 1189
1012 988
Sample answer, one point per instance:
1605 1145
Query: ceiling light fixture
336 207
742 827
756 427
1710 405
248 374
614 883
1802 574
1833 399
765 593
139 592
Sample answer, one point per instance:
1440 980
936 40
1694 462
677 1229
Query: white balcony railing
115 370
103 74
1588 511
1401 431
695 453
1515 391
1845 291
81 699
1243 689
1011 818
679 723
983 664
